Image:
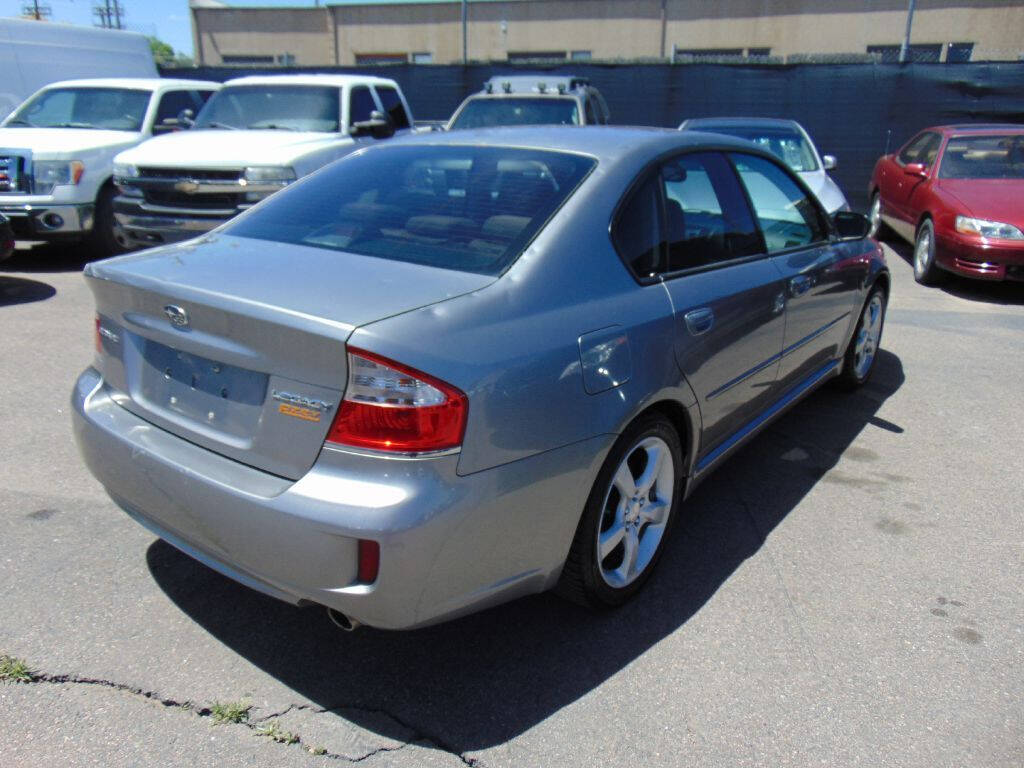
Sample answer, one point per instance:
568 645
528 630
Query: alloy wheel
867 338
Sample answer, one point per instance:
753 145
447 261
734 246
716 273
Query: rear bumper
986 261
39 221
150 225
449 544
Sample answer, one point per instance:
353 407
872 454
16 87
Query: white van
37 53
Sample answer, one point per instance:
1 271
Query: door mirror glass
378 126
850 226
186 118
829 162
916 169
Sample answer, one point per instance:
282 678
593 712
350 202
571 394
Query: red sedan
955 192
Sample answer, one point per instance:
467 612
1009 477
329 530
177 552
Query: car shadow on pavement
985 291
482 680
17 290
42 257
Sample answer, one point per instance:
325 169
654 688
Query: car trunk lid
238 345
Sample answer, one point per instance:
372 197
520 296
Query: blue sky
166 19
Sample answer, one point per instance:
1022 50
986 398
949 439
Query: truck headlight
47 174
269 177
125 170
995 229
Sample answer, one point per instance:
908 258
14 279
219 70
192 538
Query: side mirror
379 126
850 226
186 118
829 162
916 169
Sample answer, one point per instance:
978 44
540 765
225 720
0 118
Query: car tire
878 226
862 351
628 516
925 270
107 238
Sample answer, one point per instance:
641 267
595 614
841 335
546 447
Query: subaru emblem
177 316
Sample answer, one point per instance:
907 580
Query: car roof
146 83
959 129
606 143
337 81
741 122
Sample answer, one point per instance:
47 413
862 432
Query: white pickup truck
255 136
57 153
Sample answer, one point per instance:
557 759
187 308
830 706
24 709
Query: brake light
391 407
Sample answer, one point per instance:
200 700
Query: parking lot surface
848 590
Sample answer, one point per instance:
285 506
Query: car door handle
799 285
699 321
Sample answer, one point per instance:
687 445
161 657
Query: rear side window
472 209
788 217
637 230
393 106
707 219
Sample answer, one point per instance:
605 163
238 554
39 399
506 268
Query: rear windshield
983 157
787 144
272 107
472 209
490 112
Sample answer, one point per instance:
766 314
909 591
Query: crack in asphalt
418 735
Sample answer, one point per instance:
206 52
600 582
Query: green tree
165 56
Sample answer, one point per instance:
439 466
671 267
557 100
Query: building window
580 55
536 55
710 53
916 52
382 58
959 52
759 53
423 58
247 59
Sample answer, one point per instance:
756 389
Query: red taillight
369 561
391 407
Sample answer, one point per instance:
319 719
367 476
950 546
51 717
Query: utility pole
664 24
109 15
465 49
36 11
905 48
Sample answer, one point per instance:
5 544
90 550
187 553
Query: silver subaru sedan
454 369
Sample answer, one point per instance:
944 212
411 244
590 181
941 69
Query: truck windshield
467 208
272 107
983 157
488 112
111 109
787 144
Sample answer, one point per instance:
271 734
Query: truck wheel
107 238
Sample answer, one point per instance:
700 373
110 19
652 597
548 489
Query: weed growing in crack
317 750
273 730
230 712
14 670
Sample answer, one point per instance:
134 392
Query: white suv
57 153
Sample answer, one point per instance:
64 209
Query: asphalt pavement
846 591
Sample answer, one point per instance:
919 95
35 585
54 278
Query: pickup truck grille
12 173
197 175
201 200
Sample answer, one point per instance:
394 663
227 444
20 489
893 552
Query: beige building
428 31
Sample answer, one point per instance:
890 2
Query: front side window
983 157
788 218
361 105
707 219
110 109
393 107
272 107
489 112
920 150
473 209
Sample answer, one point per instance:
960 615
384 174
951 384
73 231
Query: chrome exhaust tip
341 621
